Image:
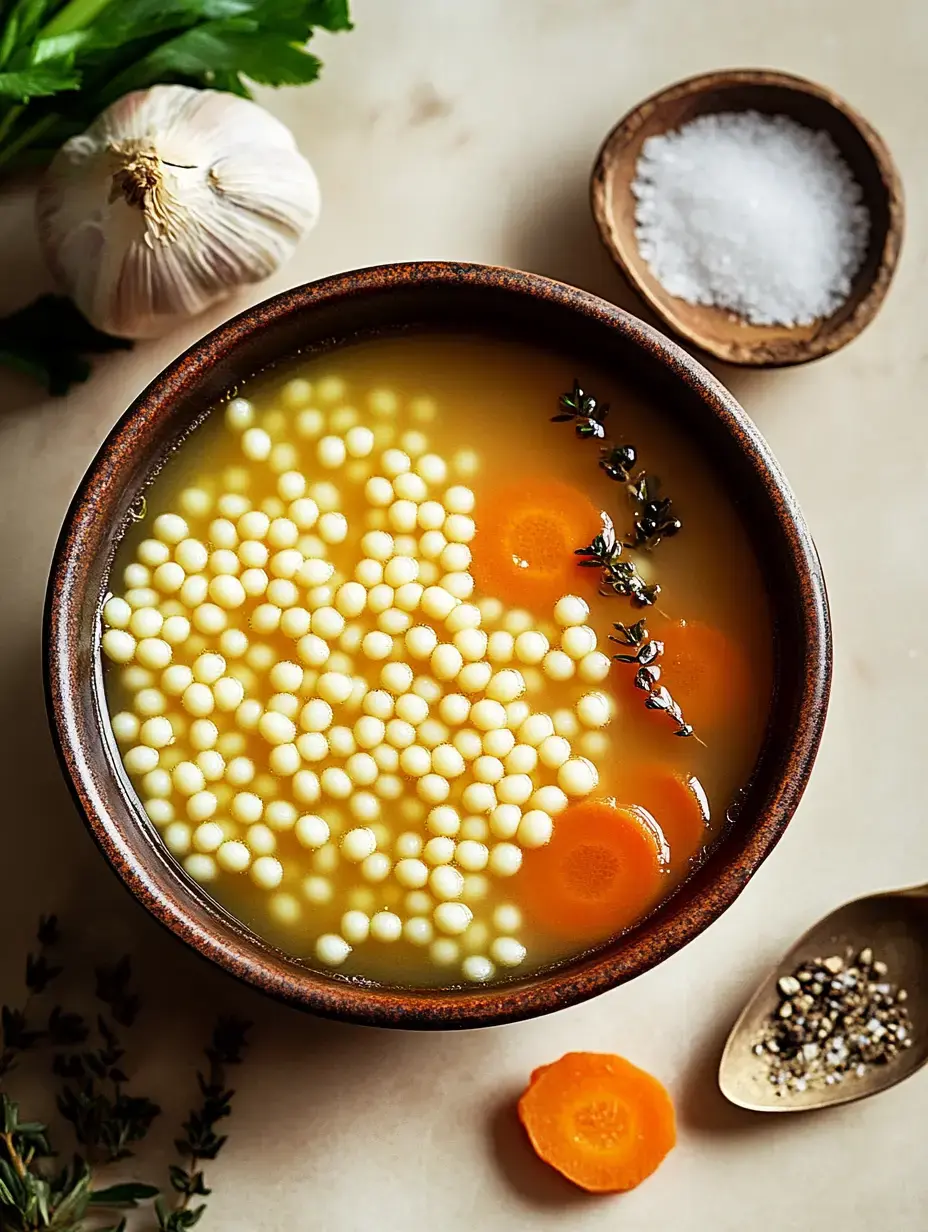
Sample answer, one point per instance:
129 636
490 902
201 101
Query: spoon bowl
715 330
895 926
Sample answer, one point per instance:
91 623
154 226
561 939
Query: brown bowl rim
190 914
757 357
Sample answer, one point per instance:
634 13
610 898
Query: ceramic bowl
473 298
714 330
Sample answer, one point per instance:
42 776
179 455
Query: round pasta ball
553 752
535 728
578 641
504 820
535 829
459 499
452 918
396 677
459 585
118 646
478 798
415 761
506 685
577 777
446 882
477 968
331 452
444 822
499 742
571 610
557 665
334 687
170 528
433 788
514 789
431 544
471 856
505 859
474 677
421 641
351 599
276 728
377 645
311 831
594 668
358 844
487 714
594 710
386 926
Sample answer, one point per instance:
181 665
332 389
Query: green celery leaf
49 338
237 45
38 82
136 20
58 47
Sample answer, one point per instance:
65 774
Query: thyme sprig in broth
654 517
646 650
654 520
619 575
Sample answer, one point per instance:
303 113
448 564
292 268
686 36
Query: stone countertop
467 131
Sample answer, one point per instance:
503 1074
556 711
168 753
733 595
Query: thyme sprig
654 520
200 1142
654 516
582 409
107 1120
646 651
619 576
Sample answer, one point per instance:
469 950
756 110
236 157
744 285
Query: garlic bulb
168 202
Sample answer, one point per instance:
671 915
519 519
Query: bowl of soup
436 645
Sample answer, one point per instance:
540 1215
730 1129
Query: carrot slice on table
527 534
602 1122
601 871
705 672
677 802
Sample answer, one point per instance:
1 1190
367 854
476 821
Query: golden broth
485 408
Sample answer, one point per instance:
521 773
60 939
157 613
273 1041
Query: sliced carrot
677 802
602 1122
707 674
527 536
602 870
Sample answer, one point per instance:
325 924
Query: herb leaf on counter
49 339
106 1119
63 61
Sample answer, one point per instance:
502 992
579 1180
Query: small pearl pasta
577 777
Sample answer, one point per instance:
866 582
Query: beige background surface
445 129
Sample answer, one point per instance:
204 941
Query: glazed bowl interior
459 299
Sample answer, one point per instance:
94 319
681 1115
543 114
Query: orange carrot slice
602 870
527 534
600 1121
677 802
705 672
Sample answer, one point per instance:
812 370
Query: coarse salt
752 213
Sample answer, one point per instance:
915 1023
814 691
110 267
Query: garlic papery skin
172 199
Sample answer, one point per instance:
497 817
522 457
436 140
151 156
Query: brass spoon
894 925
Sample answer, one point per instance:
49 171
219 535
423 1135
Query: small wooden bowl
715 330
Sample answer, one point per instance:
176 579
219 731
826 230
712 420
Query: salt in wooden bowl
718 331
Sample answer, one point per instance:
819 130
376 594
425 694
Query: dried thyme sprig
582 409
654 517
201 1142
647 650
33 1196
618 576
17 1034
107 1120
